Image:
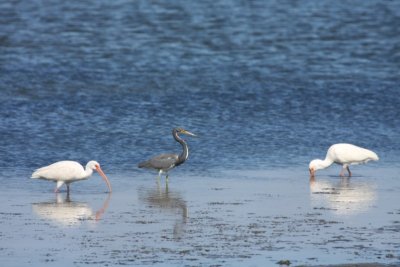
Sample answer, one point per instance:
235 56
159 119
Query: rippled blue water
263 83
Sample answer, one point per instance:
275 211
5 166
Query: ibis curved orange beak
100 171
312 173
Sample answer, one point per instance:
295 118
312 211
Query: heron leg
59 184
348 169
158 177
166 178
67 189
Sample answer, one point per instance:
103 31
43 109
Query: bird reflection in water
346 197
67 213
172 202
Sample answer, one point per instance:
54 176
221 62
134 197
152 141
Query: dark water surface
263 83
266 85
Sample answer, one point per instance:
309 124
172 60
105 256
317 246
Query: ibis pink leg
342 172
59 184
348 169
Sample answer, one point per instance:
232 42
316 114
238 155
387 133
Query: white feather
343 154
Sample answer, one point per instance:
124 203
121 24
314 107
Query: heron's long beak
100 171
188 133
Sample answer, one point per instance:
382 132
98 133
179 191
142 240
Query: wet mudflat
252 218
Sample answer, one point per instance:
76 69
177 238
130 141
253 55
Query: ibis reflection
345 197
67 213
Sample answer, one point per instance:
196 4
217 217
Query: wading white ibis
345 155
66 172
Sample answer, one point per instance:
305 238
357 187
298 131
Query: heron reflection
67 213
345 197
172 202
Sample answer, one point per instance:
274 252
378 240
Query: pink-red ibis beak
100 171
312 172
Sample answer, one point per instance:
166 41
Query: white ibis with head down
345 155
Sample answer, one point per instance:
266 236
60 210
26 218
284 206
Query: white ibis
345 155
66 172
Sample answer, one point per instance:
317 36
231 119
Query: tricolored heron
165 162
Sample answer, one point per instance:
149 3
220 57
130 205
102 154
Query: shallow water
266 85
236 218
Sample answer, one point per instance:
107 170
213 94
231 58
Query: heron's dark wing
163 161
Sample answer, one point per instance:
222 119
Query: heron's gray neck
185 153
185 149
